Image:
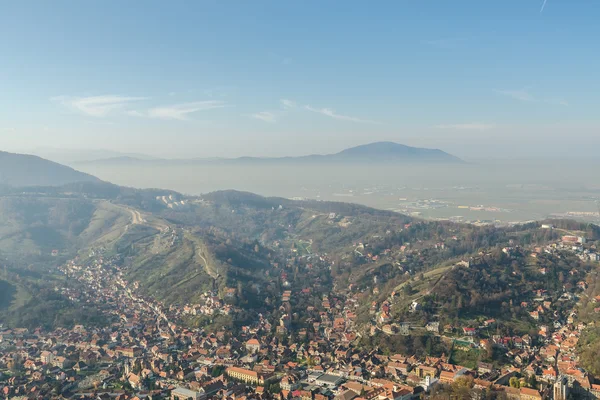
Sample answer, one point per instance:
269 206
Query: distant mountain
379 152
390 151
121 160
28 170
71 156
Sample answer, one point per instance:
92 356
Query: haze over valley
480 190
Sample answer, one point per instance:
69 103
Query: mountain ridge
389 152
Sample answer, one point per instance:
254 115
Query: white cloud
181 111
97 106
265 116
332 114
468 126
288 103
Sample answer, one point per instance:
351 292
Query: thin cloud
135 113
468 126
287 104
332 114
559 102
543 6
182 111
219 91
265 116
522 94
526 96
97 106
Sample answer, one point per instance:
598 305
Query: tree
532 381
274 388
462 386
514 382
489 349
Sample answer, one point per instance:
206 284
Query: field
467 359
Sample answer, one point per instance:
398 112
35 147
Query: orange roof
530 392
447 375
242 371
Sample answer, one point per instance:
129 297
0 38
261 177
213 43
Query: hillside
179 249
494 285
27 170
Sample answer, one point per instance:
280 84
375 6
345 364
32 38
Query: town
146 353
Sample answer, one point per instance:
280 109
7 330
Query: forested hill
240 240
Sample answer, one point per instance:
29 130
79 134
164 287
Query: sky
271 78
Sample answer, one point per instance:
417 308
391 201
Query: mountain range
31 170
71 156
378 152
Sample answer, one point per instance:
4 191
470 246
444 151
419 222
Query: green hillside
7 294
176 247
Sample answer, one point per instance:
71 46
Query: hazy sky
230 78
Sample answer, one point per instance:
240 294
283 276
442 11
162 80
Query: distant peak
395 151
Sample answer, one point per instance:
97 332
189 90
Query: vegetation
252 244
7 294
589 343
48 310
493 286
420 345
589 348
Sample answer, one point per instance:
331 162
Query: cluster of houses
145 353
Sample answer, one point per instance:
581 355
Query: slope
27 170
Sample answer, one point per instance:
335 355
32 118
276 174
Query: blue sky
223 78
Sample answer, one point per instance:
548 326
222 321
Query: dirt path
198 251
